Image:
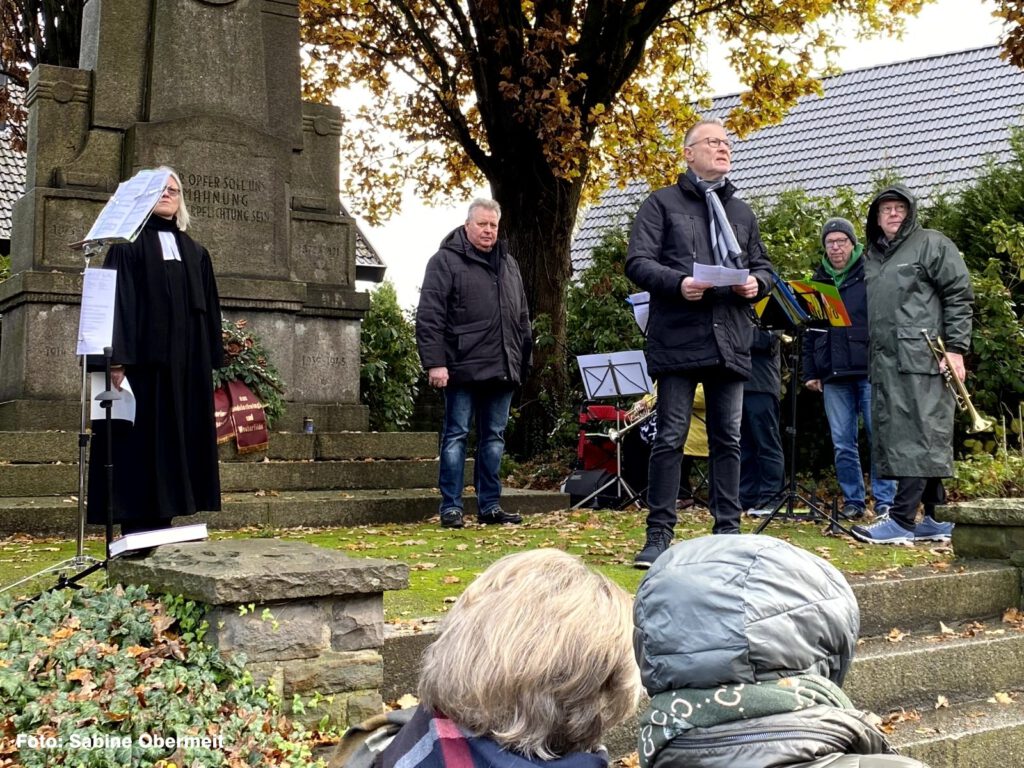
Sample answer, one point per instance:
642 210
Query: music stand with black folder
787 312
614 375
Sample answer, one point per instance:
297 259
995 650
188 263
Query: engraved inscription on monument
320 250
226 197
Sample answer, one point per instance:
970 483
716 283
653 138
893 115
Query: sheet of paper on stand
147 539
615 374
96 318
126 212
122 408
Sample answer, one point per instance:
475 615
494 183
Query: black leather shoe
451 518
658 540
498 516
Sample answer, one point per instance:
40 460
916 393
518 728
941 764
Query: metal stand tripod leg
83 565
793 493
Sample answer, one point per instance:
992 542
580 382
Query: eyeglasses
172 192
844 241
885 210
712 142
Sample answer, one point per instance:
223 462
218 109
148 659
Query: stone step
57 479
52 447
972 734
58 516
920 668
912 598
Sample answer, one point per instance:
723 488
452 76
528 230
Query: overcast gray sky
407 240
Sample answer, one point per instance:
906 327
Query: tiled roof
12 176
933 121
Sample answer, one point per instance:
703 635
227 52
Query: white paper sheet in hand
124 408
719 276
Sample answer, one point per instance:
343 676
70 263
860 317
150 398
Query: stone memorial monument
211 88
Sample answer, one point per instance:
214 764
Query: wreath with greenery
247 361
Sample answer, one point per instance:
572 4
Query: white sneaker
758 512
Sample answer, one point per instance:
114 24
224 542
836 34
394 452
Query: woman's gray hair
537 655
182 219
483 202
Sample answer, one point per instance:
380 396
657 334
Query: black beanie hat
838 224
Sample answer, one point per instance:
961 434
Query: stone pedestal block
308 620
991 529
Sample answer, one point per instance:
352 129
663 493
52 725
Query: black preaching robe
167 335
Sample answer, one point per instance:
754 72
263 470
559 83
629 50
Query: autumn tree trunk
538 216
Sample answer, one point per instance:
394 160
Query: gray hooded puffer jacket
723 610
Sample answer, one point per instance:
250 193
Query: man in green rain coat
918 284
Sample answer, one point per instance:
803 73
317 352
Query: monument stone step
62 446
57 479
973 734
918 598
922 670
58 516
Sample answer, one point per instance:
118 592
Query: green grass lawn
443 562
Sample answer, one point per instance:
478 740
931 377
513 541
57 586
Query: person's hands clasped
438 377
693 289
749 289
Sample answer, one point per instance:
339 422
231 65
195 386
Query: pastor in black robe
167 335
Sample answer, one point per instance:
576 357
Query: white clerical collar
169 245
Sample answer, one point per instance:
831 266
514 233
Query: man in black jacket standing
697 332
475 342
836 364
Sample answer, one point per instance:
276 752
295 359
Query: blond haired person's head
537 655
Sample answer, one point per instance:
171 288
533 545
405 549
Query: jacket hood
740 609
871 228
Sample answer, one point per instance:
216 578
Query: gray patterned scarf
723 239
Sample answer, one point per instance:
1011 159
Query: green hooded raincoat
916 283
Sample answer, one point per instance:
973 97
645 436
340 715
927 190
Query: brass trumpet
641 412
956 387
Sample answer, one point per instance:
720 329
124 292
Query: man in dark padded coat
475 342
697 332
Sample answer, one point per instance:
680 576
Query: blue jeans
723 396
489 403
844 400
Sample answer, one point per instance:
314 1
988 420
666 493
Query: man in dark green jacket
918 287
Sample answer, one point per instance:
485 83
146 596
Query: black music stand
614 375
788 313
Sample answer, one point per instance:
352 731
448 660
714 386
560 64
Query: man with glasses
917 284
697 332
835 363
